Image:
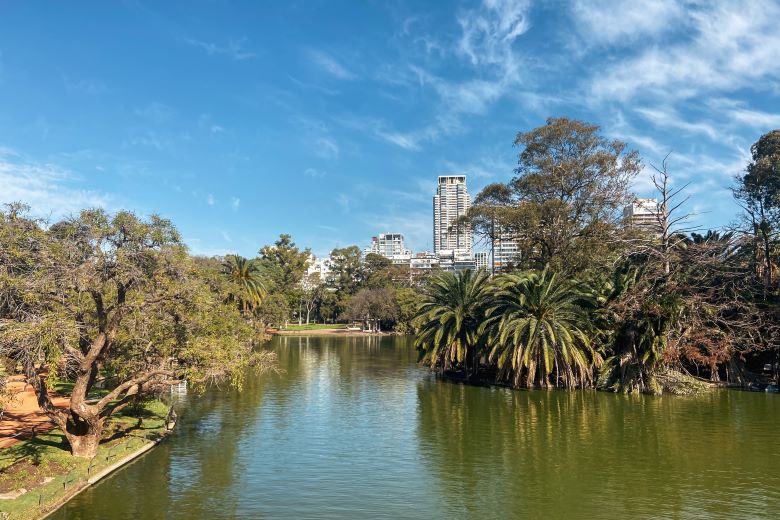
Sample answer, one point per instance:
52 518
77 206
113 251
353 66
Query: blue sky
331 120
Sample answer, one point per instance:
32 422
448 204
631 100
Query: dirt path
23 414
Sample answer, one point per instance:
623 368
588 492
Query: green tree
347 273
245 275
571 183
759 193
311 293
372 307
113 298
284 264
450 315
273 310
537 328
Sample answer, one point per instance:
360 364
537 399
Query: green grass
27 463
316 326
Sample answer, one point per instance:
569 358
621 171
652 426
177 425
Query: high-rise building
506 252
390 245
449 204
643 214
481 259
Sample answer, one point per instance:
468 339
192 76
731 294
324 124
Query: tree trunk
84 436
767 259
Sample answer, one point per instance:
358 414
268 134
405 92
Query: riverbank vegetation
115 306
41 475
595 299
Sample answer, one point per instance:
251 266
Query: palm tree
538 326
246 275
450 316
633 320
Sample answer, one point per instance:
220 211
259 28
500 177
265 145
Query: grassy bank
44 467
314 326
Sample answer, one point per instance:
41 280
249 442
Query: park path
23 415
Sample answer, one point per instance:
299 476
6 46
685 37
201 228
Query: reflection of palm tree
536 326
451 313
246 275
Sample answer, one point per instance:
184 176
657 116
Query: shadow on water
498 453
353 428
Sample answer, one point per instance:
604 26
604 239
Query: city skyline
289 118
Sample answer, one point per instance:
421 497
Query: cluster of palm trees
529 329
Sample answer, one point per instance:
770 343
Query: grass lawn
316 326
45 468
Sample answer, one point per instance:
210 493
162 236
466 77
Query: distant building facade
319 266
506 252
451 202
481 260
391 246
642 214
424 260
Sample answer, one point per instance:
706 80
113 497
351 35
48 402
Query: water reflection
353 428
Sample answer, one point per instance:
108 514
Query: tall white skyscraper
450 203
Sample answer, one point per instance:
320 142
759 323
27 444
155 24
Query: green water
354 429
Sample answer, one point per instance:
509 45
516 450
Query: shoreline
328 332
61 477
105 472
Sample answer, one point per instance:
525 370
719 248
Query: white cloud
670 119
486 43
729 45
235 203
326 148
155 112
620 22
329 64
755 118
210 199
314 173
47 188
489 32
233 49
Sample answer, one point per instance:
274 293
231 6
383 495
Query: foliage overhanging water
355 429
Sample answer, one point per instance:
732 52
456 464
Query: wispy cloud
155 112
91 86
755 118
490 30
327 148
667 118
728 46
314 173
210 199
233 49
47 188
623 22
329 64
486 47
235 203
344 201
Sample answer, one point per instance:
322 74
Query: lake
353 428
